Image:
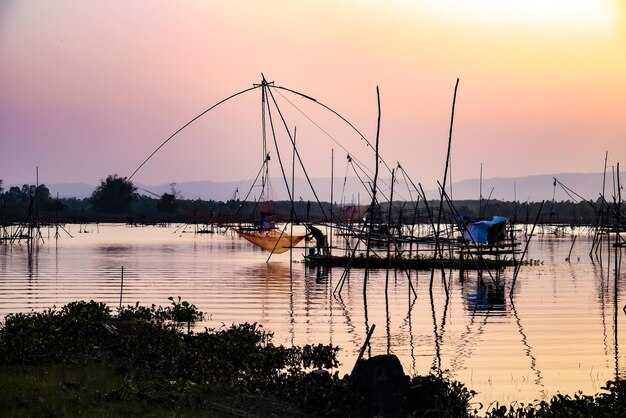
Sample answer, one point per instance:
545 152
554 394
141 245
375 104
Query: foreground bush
144 361
150 340
228 368
611 404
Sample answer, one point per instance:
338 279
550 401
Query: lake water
561 332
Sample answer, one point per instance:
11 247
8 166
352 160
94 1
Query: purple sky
90 88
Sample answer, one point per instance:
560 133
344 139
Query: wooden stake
445 178
367 341
372 205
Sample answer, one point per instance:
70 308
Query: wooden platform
420 263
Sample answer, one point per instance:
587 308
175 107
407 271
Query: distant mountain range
536 188
530 188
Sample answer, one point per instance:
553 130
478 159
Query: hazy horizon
350 190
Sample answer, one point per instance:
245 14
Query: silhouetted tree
114 195
42 197
167 203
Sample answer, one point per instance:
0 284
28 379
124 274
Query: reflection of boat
488 298
271 240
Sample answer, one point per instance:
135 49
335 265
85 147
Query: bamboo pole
329 242
569 255
445 178
364 346
389 240
291 216
373 204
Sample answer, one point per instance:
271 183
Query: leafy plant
182 311
611 404
137 312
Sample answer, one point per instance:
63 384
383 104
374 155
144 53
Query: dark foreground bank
84 360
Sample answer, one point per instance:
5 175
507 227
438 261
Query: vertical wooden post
389 240
373 204
329 241
445 178
516 272
291 216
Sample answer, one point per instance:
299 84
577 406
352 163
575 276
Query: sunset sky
91 88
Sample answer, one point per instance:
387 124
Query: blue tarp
478 231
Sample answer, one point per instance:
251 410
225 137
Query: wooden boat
417 263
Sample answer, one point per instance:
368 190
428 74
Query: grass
81 360
83 390
62 390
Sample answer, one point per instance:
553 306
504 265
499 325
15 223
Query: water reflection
602 294
529 351
33 259
561 333
114 249
486 298
408 321
438 330
267 273
321 274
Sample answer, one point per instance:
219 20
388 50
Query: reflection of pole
410 322
603 303
388 323
442 327
293 168
615 310
30 248
329 242
330 303
528 348
519 264
437 364
367 328
389 242
122 286
291 310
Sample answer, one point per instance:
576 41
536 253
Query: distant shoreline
526 188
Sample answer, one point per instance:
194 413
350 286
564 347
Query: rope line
187 124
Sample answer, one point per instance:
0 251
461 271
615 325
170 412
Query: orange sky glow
90 88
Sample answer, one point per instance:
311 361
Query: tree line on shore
116 199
